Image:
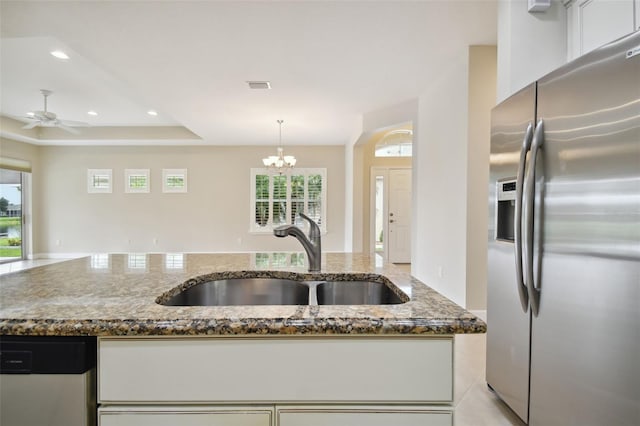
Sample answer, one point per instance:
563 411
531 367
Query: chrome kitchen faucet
311 244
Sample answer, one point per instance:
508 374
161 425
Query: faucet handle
314 229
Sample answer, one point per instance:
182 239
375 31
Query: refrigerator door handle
529 203
517 223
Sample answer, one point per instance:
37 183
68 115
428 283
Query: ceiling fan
50 119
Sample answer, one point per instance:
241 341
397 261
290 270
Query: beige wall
482 97
212 217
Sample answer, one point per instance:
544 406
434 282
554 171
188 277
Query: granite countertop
115 295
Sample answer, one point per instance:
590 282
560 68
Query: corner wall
440 183
482 98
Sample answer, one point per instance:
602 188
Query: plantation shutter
278 199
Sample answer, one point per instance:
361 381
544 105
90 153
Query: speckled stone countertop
114 295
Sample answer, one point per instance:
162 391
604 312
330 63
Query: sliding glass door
11 216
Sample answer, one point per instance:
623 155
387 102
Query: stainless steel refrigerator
563 308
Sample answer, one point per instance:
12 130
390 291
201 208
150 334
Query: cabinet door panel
161 416
256 370
363 418
603 21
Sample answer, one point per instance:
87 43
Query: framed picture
137 181
99 181
174 180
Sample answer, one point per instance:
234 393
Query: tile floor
475 404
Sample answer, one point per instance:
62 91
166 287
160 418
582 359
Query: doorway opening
11 215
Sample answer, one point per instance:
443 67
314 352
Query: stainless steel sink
242 291
355 293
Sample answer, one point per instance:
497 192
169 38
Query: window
174 180
136 180
99 181
394 150
277 199
396 143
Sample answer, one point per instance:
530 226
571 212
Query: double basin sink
278 291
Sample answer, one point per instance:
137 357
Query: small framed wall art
174 180
99 181
137 181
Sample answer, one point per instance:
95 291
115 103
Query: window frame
254 228
92 174
169 173
129 189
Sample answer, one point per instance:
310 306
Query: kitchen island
263 365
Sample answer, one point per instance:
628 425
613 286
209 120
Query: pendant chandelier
279 162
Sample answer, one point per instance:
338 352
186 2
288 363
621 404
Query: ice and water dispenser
506 209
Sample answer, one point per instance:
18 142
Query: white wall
440 182
529 44
212 217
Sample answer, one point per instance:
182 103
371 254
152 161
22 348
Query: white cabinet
362 416
593 23
309 381
185 416
275 369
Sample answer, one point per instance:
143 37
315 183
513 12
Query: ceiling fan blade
31 125
67 128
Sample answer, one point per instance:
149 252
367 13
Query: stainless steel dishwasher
47 381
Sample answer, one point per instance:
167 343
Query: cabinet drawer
366 416
185 416
264 370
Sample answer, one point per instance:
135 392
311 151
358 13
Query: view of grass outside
10 241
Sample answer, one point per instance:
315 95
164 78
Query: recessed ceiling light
60 54
92 112
259 84
152 112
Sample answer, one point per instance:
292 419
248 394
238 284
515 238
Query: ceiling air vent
259 84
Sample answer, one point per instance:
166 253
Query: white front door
399 216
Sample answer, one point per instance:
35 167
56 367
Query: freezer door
586 335
508 318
